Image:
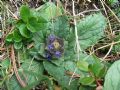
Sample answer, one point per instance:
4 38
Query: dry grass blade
22 83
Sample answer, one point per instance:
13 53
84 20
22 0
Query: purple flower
58 54
48 56
50 46
52 37
54 47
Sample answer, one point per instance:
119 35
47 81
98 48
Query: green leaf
9 37
58 72
24 13
38 37
71 66
41 49
102 72
61 26
30 71
82 65
116 48
34 25
91 29
18 45
5 64
44 81
113 2
97 68
112 78
87 80
58 62
24 31
17 36
49 10
86 88
41 19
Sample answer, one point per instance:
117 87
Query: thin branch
107 16
72 76
101 48
108 51
22 83
9 10
93 10
112 12
77 39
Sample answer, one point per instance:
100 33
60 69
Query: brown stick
71 73
22 83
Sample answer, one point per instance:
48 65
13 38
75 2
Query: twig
107 16
72 76
9 10
71 73
112 12
76 35
22 83
95 6
108 51
101 48
77 40
12 14
81 13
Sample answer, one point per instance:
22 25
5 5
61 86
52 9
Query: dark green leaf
24 13
97 68
102 72
9 37
24 31
17 36
86 88
113 2
18 45
86 80
41 19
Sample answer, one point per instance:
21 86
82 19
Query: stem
22 83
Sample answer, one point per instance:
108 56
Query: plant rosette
54 45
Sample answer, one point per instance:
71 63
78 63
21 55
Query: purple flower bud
52 37
50 47
48 56
58 54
